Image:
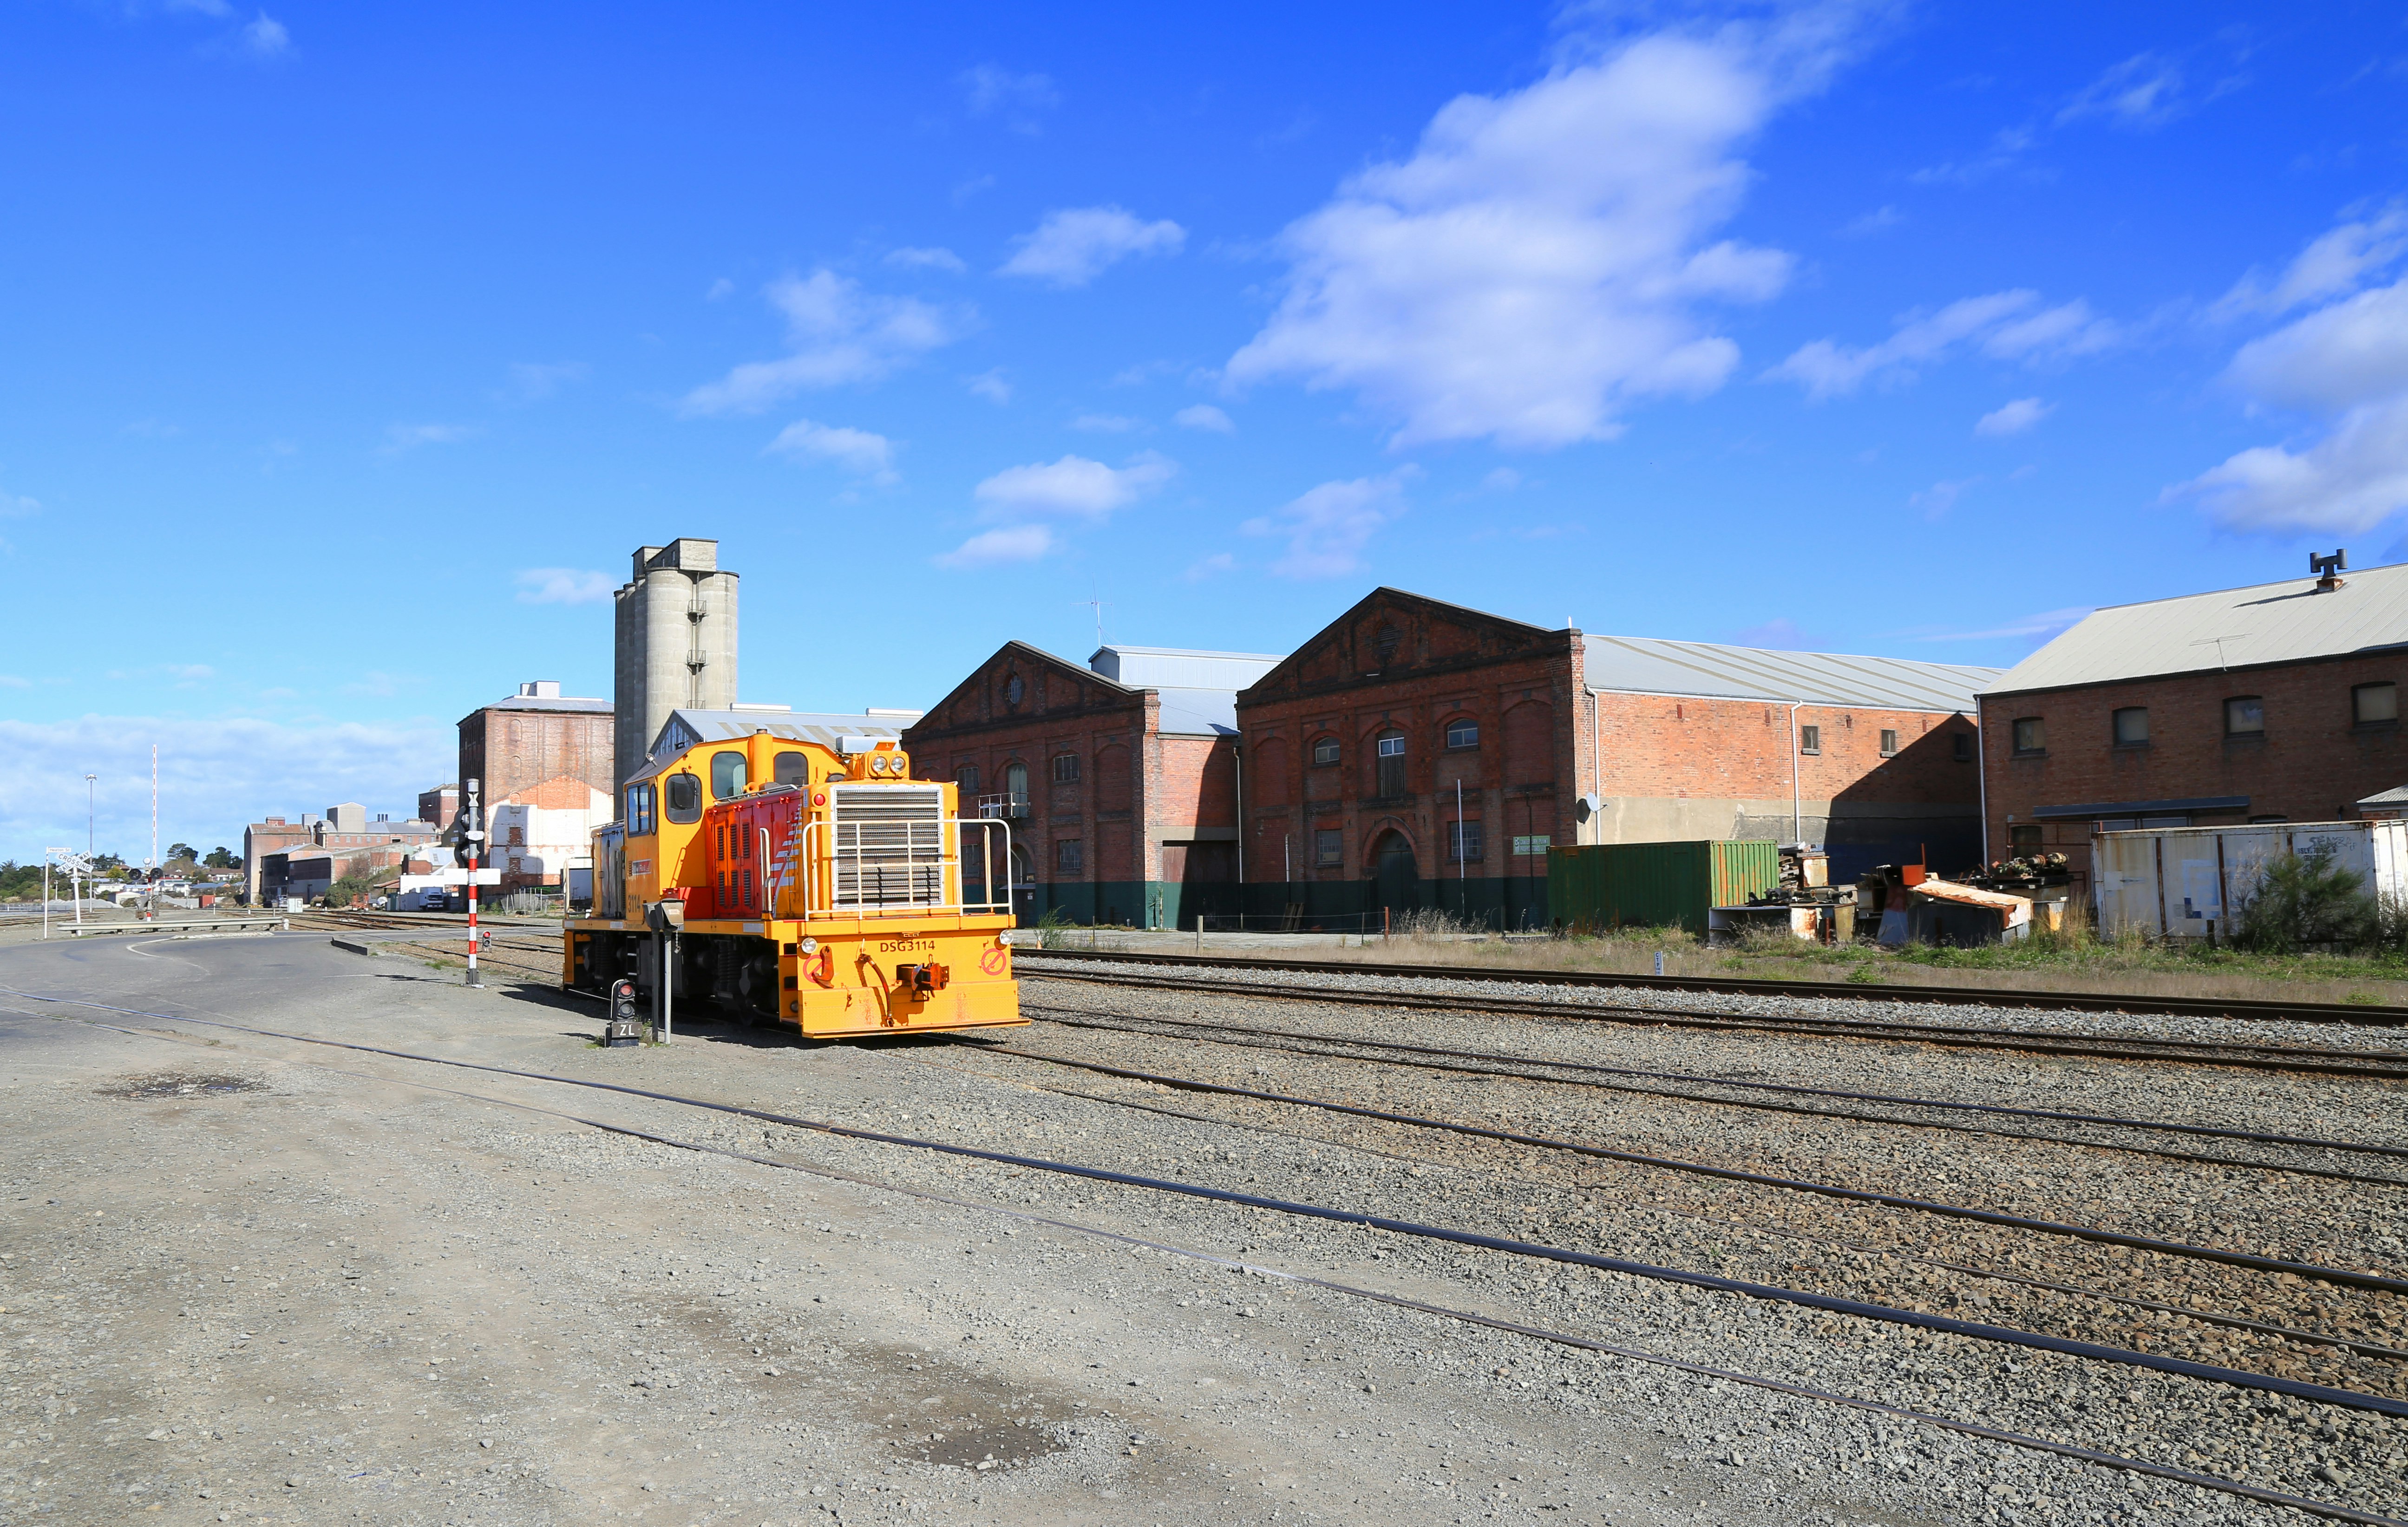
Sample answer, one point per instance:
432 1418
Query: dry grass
2071 961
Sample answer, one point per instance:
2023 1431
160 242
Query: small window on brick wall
2131 726
1963 744
1462 842
1810 740
2374 704
2244 716
1889 743
1329 848
1066 768
2031 735
1324 752
1464 733
1070 856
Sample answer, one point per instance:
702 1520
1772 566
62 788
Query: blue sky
346 352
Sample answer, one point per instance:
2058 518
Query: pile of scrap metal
1803 904
2023 876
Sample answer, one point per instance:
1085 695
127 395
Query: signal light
626 1025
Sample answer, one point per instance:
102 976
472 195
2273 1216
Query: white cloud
263 37
991 385
929 259
1073 246
857 451
2047 622
2349 353
16 506
533 381
2005 325
1203 416
401 438
2141 91
1501 479
2332 263
1072 486
10 681
2345 363
2349 481
990 88
1937 500
215 776
561 586
2012 418
1328 527
1538 264
718 289
839 334
1108 423
989 547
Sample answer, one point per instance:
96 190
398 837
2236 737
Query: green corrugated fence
1612 885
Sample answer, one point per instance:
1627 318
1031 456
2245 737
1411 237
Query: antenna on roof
1097 603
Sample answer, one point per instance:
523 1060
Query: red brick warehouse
1120 779
1416 753
2279 702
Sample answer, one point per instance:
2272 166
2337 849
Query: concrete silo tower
676 648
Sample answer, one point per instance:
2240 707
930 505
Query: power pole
90 807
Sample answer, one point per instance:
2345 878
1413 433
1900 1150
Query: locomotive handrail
819 881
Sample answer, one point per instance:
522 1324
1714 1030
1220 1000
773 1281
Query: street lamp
90 795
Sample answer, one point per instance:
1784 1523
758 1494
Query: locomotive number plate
908 946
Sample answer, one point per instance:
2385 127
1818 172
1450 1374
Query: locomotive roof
686 729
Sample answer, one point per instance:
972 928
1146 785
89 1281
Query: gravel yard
251 1280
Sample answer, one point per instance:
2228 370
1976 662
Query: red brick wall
1656 746
1412 666
2310 764
510 751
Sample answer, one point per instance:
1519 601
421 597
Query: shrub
2305 900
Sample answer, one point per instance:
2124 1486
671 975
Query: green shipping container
1613 885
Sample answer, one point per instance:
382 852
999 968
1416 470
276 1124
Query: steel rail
2007 1336
2328 1510
2365 1016
2372 1064
2374 1282
2235 1322
1451 1060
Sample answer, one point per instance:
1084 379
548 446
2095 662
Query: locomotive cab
814 884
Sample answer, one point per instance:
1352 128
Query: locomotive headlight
878 762
807 947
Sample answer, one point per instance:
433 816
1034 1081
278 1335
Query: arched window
1389 752
1324 752
1463 731
1015 790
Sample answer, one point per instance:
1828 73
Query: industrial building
1120 779
674 646
345 831
2279 702
534 737
1417 753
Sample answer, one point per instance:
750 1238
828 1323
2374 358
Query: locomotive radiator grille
887 842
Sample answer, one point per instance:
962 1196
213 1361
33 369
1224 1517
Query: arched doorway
1396 877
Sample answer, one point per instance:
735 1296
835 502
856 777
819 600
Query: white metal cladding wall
2176 882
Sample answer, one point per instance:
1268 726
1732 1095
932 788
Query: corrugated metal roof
686 728
1651 665
536 702
1178 667
2230 628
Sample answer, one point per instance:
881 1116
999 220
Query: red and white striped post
475 834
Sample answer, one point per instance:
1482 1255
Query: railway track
2364 1016
2374 1064
1585 1074
1464 1239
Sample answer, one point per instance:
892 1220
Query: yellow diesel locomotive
812 884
